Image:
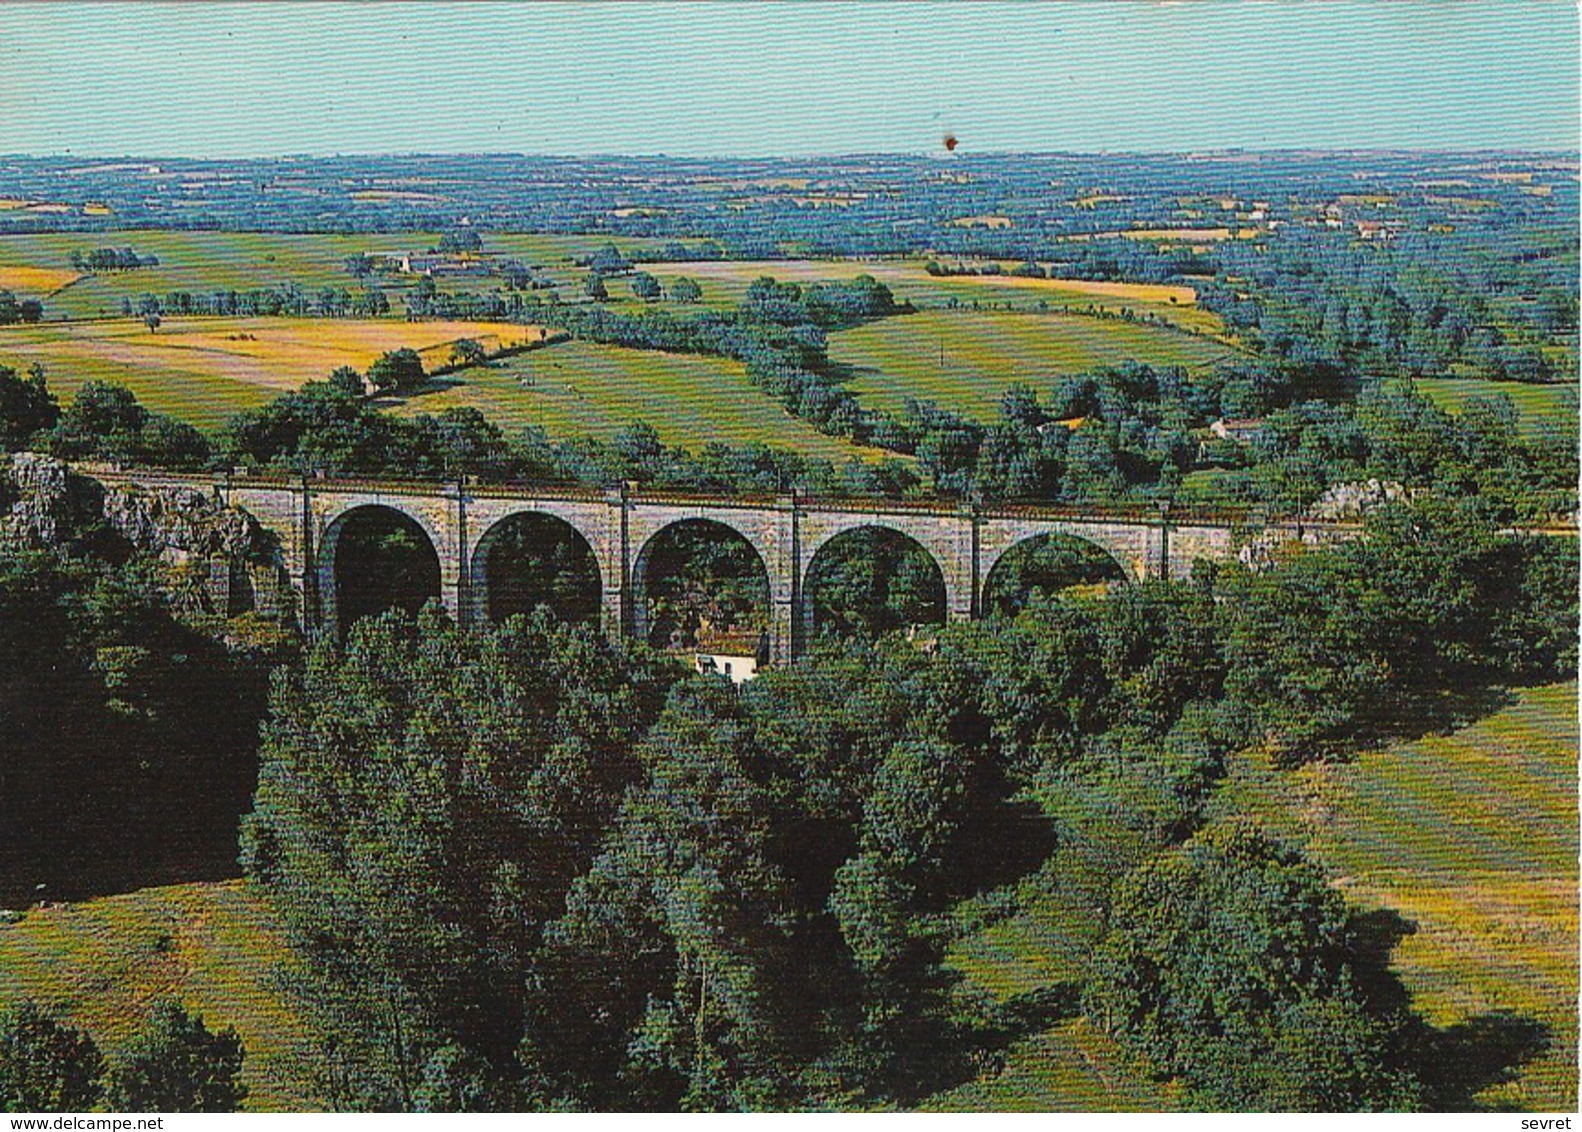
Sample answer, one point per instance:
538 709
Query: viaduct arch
653 535
487 588
816 559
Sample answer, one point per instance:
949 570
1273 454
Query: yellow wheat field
35 280
278 353
204 369
1129 292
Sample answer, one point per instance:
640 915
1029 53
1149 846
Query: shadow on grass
434 384
843 372
1462 1060
1453 1064
1009 1022
1373 936
1457 707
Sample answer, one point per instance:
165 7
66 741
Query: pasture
1472 839
585 389
726 282
966 360
102 965
203 262
1535 404
204 369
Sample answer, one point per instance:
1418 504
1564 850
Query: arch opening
701 586
531 559
379 559
873 580
1040 567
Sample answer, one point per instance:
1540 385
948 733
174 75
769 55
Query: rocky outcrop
1354 500
42 503
181 523
45 503
217 560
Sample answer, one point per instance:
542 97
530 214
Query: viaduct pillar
616 615
785 584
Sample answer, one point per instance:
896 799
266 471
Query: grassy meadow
204 369
966 360
1534 403
1472 839
994 331
39 265
102 965
726 281
585 389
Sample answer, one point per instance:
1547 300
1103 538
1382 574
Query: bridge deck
1138 513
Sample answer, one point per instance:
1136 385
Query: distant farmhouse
412 263
1238 430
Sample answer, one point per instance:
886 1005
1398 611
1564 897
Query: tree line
110 259
1125 433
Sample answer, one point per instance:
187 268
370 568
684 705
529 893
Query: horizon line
1199 151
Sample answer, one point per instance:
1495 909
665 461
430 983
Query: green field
725 282
985 353
1534 403
203 262
1472 837
203 370
104 963
585 389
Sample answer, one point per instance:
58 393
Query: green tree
594 288
46 1066
686 290
177 1064
1556 311
465 242
646 287
26 407
106 422
396 370
103 421
467 352
345 379
1232 964
426 798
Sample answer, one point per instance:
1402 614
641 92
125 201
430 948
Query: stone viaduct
965 542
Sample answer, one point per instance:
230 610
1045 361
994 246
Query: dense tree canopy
530 867
177 1064
27 407
1233 964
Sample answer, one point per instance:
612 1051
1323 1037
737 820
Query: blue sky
213 80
